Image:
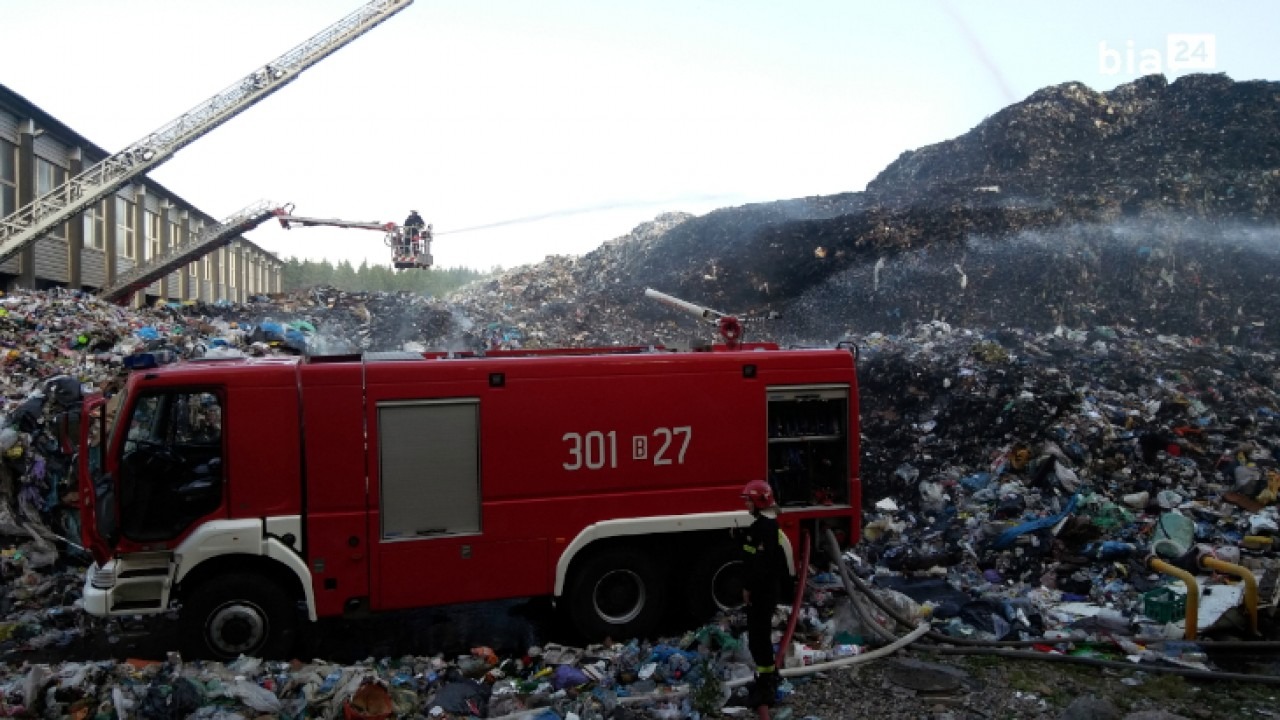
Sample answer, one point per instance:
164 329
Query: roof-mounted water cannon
730 327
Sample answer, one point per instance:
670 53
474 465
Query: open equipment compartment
809 445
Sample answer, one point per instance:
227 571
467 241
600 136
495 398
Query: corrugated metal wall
8 127
93 267
52 259
51 149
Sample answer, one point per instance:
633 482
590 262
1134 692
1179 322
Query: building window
153 235
95 225
124 228
208 273
50 177
46 177
232 256
8 178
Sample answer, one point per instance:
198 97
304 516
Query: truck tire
715 583
236 615
617 594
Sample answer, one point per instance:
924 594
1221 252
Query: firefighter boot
765 692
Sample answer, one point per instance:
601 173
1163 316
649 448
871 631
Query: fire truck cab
256 494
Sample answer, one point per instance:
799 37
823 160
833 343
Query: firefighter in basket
412 231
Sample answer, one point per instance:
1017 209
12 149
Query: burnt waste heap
1153 205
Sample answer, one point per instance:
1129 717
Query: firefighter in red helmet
764 570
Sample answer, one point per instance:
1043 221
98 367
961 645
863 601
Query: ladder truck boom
200 244
39 217
287 221
410 246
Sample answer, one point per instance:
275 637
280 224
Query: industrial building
138 222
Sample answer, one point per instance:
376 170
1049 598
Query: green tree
299 274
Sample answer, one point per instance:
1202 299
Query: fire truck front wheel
617 594
238 615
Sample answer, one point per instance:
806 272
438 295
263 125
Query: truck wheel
715 583
227 617
617 594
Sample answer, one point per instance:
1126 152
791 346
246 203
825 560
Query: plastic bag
254 696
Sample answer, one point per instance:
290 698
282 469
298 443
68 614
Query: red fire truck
257 494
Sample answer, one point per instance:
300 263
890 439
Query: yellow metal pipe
1250 585
1193 592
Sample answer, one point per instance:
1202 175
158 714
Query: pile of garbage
1068 398
1015 484
1045 469
705 672
1169 186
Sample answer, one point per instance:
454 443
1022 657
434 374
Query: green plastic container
1164 605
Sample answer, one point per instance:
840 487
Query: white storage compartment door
428 453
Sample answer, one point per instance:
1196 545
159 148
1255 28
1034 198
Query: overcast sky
526 128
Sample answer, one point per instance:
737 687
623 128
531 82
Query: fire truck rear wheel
617 594
715 583
238 615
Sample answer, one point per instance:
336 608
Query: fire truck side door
432 546
429 514
428 469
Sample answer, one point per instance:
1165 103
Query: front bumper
138 585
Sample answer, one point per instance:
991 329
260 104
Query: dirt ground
917 684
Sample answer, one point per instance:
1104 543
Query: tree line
298 274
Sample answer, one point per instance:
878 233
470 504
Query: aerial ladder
47 212
410 246
208 239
